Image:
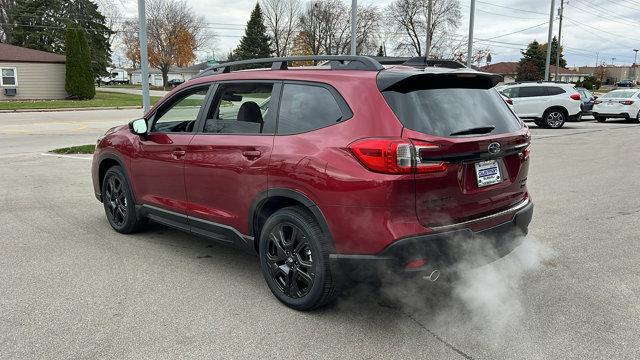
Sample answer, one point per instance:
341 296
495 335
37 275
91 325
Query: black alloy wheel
294 258
118 202
290 260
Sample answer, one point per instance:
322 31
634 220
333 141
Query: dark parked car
626 83
351 168
588 100
175 82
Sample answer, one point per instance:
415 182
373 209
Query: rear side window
531 91
554 90
307 107
443 112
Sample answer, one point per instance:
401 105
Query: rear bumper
441 250
617 116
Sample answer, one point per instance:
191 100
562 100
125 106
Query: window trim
347 113
275 96
151 119
15 76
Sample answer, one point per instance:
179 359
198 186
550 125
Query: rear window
554 90
619 94
443 112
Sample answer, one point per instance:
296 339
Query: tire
539 123
294 258
600 119
554 118
636 119
119 206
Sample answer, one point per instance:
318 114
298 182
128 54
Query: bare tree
281 19
325 28
409 19
6 22
175 32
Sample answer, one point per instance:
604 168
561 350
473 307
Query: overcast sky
592 28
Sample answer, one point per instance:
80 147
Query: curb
71 109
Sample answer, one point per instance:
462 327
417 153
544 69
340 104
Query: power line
519 31
511 8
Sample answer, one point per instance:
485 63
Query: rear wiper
475 130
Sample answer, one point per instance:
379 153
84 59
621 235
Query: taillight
396 156
509 101
597 101
526 152
626 102
576 96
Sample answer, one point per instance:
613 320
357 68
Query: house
613 74
31 74
509 69
155 76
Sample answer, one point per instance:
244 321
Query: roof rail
337 62
536 82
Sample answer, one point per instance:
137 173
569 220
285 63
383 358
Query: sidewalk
70 109
131 91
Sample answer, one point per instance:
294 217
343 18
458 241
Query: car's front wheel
294 257
554 118
118 202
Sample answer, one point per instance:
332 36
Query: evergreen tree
44 31
532 63
380 51
554 52
79 78
255 43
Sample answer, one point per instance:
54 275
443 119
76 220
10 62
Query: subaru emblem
494 148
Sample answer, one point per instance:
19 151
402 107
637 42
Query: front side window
180 115
9 77
307 107
241 108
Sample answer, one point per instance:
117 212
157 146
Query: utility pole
635 57
470 45
354 20
561 11
144 59
428 42
548 62
597 58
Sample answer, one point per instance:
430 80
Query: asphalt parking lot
70 287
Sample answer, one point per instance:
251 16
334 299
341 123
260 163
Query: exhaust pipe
435 274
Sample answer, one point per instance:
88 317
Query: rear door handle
251 154
178 154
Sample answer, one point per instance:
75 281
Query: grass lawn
81 149
102 99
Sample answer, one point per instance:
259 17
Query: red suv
327 170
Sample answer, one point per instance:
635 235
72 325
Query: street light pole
548 62
354 20
471 20
427 44
144 60
635 57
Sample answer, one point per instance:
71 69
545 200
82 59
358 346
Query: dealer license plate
488 173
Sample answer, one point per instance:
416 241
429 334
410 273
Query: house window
9 77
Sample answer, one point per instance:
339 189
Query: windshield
443 112
619 94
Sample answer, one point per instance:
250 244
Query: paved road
70 287
133 91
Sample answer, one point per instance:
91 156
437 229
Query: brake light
575 96
526 152
396 156
626 102
509 101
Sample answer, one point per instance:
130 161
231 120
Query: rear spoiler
437 78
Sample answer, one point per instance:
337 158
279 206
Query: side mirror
139 127
595 98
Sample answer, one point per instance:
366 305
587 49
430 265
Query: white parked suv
548 104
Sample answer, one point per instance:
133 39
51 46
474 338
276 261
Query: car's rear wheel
554 118
294 257
601 119
118 202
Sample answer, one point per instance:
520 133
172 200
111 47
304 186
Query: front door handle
178 154
251 154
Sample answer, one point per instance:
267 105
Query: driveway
71 287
